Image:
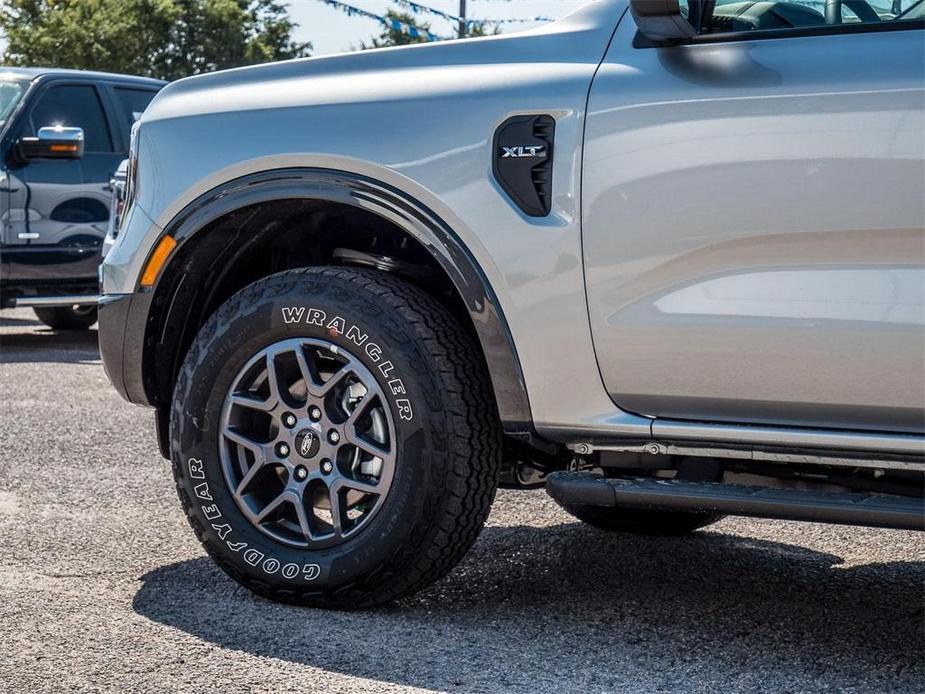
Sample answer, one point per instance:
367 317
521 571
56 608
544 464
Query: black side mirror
57 142
662 20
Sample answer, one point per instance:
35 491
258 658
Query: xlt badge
522 151
522 161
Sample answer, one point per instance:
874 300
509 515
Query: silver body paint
748 218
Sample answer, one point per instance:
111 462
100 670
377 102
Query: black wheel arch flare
151 308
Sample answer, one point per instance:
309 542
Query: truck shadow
16 321
41 344
615 608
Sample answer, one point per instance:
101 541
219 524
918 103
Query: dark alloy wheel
307 443
334 437
78 317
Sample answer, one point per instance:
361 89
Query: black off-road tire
67 317
642 522
449 453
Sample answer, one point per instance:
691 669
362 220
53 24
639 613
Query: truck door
753 218
62 203
11 93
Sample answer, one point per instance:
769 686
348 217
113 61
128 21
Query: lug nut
314 412
282 450
289 420
327 466
333 436
301 473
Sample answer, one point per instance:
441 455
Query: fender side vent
522 162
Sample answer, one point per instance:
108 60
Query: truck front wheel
334 438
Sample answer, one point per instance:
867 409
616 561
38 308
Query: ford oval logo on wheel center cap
307 443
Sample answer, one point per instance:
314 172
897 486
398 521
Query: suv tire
67 317
444 437
643 522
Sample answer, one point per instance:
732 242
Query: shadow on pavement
589 609
15 321
47 345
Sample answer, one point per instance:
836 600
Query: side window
133 102
75 105
745 15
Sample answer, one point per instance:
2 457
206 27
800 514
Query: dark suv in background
63 134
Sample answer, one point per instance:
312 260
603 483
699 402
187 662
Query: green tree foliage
394 37
160 38
476 29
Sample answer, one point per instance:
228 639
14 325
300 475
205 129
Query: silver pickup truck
665 259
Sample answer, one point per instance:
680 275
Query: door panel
63 204
60 201
753 229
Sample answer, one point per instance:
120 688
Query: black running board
585 488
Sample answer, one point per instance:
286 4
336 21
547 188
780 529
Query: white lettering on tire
254 557
195 469
339 325
293 315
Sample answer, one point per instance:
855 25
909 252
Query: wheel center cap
307 443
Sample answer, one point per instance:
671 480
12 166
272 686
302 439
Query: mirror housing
56 142
662 21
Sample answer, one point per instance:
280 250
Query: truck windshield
11 92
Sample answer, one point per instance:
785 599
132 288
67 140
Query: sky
333 31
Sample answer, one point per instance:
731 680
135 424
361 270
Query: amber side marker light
63 148
157 260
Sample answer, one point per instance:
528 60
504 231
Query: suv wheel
334 438
67 317
643 522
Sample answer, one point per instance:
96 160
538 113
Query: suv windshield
10 93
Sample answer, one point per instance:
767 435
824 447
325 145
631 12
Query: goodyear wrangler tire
334 438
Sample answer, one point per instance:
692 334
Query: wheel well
253 242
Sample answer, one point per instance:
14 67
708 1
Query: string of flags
418 8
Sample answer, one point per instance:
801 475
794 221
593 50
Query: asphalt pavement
103 586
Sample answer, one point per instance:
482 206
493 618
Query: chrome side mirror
54 142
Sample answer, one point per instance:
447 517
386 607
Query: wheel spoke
337 517
303 521
273 379
306 369
247 400
356 485
365 445
353 436
249 477
309 371
272 506
261 451
358 411
321 390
